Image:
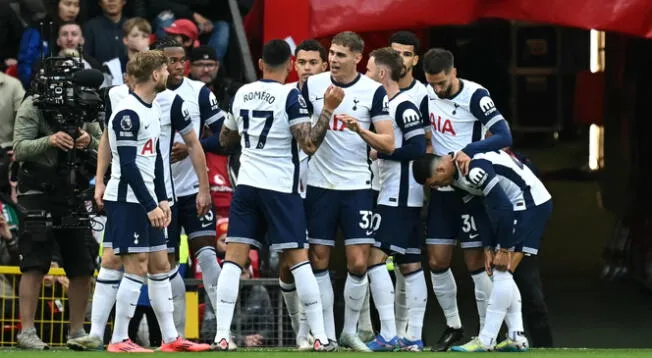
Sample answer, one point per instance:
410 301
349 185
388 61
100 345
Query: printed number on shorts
468 223
369 221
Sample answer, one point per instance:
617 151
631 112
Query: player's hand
99 193
503 260
203 202
373 154
165 206
179 152
83 140
462 161
351 122
61 140
488 260
157 218
333 97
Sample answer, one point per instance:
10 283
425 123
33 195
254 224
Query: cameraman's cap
203 53
186 28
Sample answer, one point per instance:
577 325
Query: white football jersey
263 112
133 126
521 186
461 120
418 94
204 110
174 117
342 160
397 184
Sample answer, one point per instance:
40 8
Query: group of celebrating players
337 151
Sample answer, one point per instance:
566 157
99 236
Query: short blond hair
144 63
136 23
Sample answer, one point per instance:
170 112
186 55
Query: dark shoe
450 336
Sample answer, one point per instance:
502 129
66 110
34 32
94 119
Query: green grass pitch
277 353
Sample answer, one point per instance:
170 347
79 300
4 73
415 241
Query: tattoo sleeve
228 138
310 137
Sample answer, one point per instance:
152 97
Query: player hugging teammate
336 150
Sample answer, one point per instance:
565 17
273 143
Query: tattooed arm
310 137
229 136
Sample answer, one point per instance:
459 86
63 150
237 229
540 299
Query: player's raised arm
308 136
383 138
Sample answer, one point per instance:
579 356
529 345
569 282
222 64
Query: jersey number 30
268 116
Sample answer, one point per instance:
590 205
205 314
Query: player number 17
262 138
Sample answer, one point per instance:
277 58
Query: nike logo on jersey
319 98
473 236
205 225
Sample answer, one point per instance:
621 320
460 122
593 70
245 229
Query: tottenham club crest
355 104
125 123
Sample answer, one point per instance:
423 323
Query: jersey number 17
268 116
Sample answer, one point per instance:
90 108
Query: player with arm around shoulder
137 208
272 122
518 206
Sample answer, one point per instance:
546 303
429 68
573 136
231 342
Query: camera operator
44 184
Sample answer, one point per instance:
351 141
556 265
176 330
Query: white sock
228 286
416 293
501 298
327 300
514 317
104 296
178 299
126 301
210 269
364 323
292 303
355 288
308 292
382 289
401 307
483 286
446 292
160 297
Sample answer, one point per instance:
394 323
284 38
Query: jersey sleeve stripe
214 118
127 143
381 117
413 133
186 130
298 120
492 183
494 121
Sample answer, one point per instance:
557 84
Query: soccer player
310 59
408 46
399 203
191 190
460 111
339 180
270 119
519 207
135 222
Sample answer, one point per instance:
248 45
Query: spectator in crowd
33 43
104 33
11 94
131 8
212 18
11 29
136 33
205 67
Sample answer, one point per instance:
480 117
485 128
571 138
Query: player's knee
319 256
357 266
111 260
136 264
474 259
438 264
376 256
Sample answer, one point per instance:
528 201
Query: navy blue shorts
351 210
450 220
399 230
529 227
184 215
129 231
254 211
